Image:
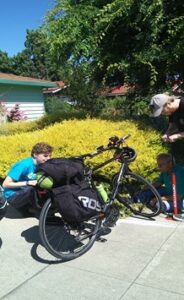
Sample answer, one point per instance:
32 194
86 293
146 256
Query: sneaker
112 216
178 217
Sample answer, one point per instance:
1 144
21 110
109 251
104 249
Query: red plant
15 114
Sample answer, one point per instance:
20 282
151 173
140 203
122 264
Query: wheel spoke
136 193
64 240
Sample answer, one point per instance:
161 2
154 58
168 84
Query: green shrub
54 104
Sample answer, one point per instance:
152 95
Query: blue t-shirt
22 170
166 180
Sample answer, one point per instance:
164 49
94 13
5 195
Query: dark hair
41 148
165 156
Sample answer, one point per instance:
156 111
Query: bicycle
67 241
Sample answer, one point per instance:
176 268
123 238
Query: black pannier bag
76 202
63 170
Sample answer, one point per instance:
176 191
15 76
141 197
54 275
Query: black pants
25 197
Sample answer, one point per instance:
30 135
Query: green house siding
30 99
13 93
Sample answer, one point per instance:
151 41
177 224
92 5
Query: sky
16 16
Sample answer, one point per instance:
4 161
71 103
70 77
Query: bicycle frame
123 167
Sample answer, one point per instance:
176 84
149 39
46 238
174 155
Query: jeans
167 206
147 195
24 197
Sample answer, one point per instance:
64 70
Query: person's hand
165 138
174 137
32 182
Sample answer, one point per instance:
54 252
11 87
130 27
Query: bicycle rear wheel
63 240
129 194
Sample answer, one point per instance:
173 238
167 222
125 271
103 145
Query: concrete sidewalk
140 260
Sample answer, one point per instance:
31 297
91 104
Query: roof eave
28 83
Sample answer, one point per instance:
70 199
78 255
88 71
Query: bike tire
130 185
63 240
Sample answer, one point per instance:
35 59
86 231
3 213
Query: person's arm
171 130
174 137
10 183
167 198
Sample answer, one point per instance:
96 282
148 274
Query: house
26 91
60 85
119 90
58 92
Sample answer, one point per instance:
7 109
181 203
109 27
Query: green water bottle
102 192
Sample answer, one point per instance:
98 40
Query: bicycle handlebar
114 143
114 140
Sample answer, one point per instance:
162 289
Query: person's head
41 152
165 162
163 104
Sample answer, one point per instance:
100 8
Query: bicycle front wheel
139 195
63 240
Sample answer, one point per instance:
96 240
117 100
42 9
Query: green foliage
141 41
5 63
55 104
83 91
34 60
71 37
59 116
125 107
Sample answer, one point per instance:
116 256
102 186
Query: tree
35 60
5 63
137 41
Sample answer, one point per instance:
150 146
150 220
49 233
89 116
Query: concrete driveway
138 260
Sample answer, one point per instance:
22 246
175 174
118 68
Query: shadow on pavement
32 236
143 218
1 242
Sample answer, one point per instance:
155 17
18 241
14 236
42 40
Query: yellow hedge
11 128
77 137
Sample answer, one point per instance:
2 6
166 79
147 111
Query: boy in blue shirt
164 183
21 179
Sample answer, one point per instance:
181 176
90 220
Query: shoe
178 217
112 216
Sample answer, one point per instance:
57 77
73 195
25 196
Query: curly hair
41 148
